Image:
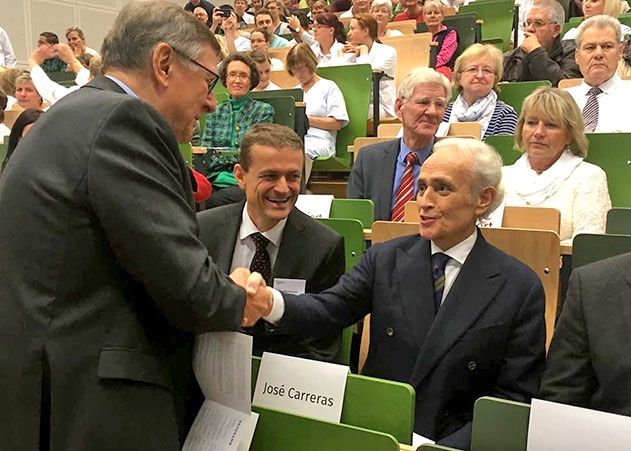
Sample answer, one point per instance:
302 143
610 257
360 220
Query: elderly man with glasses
542 55
104 278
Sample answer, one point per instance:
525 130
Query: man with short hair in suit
378 173
451 315
104 280
588 364
298 247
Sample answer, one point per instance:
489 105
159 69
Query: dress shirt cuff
278 307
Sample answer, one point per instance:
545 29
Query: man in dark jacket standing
542 55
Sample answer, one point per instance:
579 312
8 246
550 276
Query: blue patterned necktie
261 262
439 261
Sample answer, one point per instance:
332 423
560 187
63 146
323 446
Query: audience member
318 7
359 7
446 37
381 11
76 41
330 38
4 130
236 42
8 75
263 19
263 67
363 47
451 315
260 40
21 127
324 103
542 55
48 40
243 18
201 15
624 65
552 171
587 365
603 96
384 172
108 272
413 10
339 6
289 244
192 4
278 26
592 8
7 55
26 93
476 74
256 5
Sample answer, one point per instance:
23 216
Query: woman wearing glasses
592 8
476 74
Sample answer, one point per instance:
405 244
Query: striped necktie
590 111
439 261
405 192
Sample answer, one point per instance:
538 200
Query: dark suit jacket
589 364
372 176
308 250
488 337
103 278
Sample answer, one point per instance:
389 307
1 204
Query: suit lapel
228 234
474 289
291 244
388 164
414 279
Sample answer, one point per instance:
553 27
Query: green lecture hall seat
505 146
498 20
590 247
361 209
619 221
612 152
514 93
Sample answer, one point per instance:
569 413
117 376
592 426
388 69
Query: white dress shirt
613 104
7 55
458 255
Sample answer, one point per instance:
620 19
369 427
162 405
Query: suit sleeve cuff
278 307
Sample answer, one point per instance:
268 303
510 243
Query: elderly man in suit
450 314
293 246
103 277
385 172
588 364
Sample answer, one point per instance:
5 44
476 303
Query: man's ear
162 60
485 200
239 175
397 107
557 29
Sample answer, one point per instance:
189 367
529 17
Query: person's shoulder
402 16
612 267
504 108
218 214
589 170
262 106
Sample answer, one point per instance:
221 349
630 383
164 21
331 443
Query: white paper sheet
216 427
560 427
315 205
418 440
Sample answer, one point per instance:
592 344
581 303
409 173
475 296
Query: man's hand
259 298
229 24
294 23
41 53
530 43
65 52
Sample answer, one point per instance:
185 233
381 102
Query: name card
315 205
301 386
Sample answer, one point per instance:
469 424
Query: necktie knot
594 91
259 240
439 261
411 158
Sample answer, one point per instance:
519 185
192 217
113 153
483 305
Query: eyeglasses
473 71
536 24
214 77
238 75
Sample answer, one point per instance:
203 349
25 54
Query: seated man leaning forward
385 172
450 314
268 234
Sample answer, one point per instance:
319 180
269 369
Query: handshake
259 300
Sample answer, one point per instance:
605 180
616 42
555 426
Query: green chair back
619 221
499 425
505 146
515 93
567 26
575 20
361 209
612 152
625 19
297 93
353 232
355 82
498 20
187 154
588 247
280 431
464 24
284 110
371 403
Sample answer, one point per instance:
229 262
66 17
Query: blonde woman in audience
593 8
381 11
8 75
552 171
324 103
363 46
76 40
26 93
476 74
260 40
330 38
263 67
359 7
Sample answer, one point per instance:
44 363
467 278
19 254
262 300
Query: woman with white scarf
552 171
476 74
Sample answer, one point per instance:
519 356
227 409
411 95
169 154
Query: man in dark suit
589 364
450 314
298 248
103 276
379 172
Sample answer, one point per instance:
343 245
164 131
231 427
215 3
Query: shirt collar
404 150
606 87
275 234
460 251
123 86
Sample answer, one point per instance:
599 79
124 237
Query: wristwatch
297 30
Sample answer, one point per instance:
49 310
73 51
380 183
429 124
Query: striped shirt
503 121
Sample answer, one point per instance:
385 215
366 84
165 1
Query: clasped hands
259 298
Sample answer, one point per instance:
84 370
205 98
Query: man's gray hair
386 3
486 167
422 75
142 24
599 22
556 13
